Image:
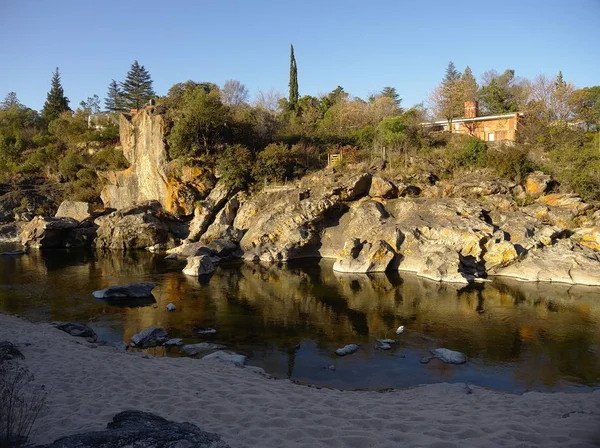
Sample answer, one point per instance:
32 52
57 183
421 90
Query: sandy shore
88 386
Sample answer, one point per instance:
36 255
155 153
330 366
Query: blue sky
360 45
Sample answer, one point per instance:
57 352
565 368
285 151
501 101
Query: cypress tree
56 101
293 99
114 98
137 87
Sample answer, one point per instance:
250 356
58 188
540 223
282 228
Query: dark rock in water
134 290
142 429
76 329
149 337
193 349
14 252
346 350
445 355
8 351
43 232
9 233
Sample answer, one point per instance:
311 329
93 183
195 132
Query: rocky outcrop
45 233
538 183
205 212
150 175
222 225
565 261
142 429
364 257
79 211
382 188
136 227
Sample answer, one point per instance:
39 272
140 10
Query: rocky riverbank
88 385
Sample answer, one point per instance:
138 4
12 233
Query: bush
20 404
472 154
511 162
579 168
109 159
70 164
235 165
275 163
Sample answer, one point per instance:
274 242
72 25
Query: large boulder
565 261
132 429
382 188
135 227
222 225
149 337
43 232
538 183
205 212
363 257
199 265
186 250
77 210
132 291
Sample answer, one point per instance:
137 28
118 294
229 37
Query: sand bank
87 386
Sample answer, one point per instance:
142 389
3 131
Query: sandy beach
88 384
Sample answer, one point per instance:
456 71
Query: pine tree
137 87
390 92
469 85
114 98
448 96
560 81
293 99
56 101
9 101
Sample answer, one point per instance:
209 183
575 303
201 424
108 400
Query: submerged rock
174 341
76 329
134 291
149 337
8 351
13 253
132 429
445 355
232 358
347 350
192 349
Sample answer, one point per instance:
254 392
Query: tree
234 93
137 87
586 106
9 101
469 85
114 98
501 94
390 92
56 101
91 105
293 97
448 98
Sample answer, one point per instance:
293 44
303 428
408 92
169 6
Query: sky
362 46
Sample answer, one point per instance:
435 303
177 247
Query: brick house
489 128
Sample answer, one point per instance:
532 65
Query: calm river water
517 336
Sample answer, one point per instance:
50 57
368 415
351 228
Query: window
491 137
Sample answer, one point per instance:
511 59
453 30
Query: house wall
502 129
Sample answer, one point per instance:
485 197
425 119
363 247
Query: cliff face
149 176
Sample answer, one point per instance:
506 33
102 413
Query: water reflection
517 336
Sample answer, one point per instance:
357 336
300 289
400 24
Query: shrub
109 159
511 162
20 404
70 164
472 154
275 163
235 165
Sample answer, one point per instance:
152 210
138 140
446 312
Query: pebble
171 307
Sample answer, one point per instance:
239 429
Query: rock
171 257
382 346
9 352
47 233
197 266
173 342
135 227
222 226
205 212
133 290
121 346
347 350
192 349
191 250
565 261
131 429
171 307
499 252
149 337
79 211
588 237
223 248
77 330
538 183
207 331
13 253
449 356
387 341
232 358
382 188
9 233
362 257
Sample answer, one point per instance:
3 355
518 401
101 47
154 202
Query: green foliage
578 166
136 90
56 101
472 154
235 166
390 92
276 163
9 101
511 162
70 165
200 124
109 159
114 101
293 96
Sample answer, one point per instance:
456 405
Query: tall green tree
469 85
293 97
137 87
448 98
501 93
56 101
390 92
114 98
